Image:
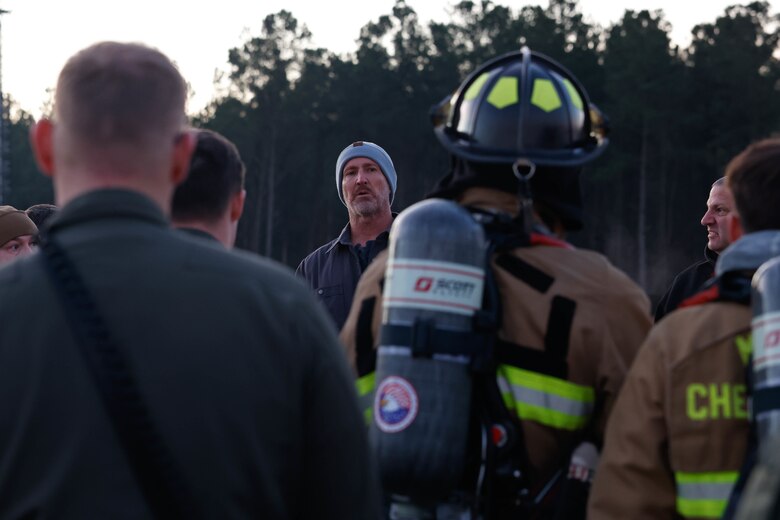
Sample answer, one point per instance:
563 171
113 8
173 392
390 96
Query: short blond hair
120 95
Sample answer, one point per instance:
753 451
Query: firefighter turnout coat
678 435
561 306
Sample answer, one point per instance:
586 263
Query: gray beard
366 208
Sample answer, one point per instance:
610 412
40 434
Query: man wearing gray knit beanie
366 183
18 234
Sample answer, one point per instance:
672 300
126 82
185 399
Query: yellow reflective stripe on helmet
473 90
545 96
365 388
544 399
704 495
504 93
573 94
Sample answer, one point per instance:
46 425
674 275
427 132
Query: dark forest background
677 116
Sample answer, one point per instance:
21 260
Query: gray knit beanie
373 152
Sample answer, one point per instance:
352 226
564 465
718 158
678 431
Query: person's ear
735 228
183 146
237 205
41 141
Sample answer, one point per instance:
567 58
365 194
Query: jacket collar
710 255
345 237
108 203
749 252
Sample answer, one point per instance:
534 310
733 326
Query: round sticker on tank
395 404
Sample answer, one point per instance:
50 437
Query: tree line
677 115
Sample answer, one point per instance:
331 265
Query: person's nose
361 177
707 219
26 250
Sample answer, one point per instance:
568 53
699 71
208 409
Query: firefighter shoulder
573 301
678 433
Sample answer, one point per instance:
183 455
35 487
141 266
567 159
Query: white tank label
766 340
434 286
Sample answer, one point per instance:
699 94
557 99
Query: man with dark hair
18 234
164 376
210 201
679 433
720 204
365 182
40 213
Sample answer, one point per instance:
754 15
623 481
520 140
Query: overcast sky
38 36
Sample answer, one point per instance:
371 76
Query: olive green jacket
240 367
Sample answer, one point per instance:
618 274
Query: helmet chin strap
524 170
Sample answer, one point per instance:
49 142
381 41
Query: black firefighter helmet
521 109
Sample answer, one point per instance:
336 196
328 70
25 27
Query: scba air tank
433 287
766 349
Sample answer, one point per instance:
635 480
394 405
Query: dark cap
14 223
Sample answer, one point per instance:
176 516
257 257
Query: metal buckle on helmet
524 201
528 165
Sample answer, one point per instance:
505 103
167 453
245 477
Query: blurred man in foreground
185 381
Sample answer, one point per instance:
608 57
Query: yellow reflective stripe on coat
365 388
544 399
704 495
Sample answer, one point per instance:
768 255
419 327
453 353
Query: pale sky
38 36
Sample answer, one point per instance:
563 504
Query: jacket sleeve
633 479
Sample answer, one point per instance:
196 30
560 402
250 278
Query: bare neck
68 187
363 229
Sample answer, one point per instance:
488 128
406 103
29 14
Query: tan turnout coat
677 436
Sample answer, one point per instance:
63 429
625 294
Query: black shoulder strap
535 278
152 464
559 322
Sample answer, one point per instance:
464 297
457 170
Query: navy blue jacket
333 271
